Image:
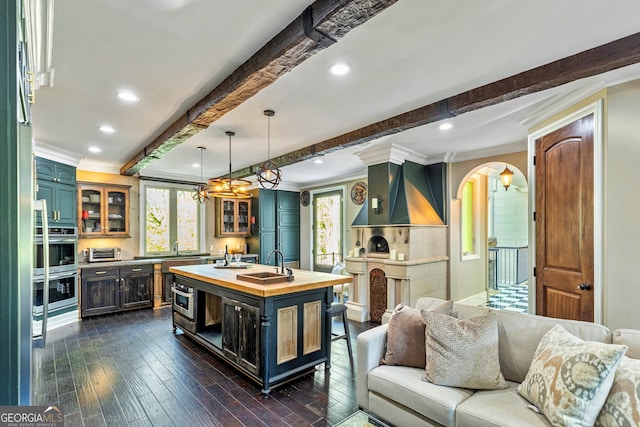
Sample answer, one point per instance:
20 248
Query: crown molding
389 152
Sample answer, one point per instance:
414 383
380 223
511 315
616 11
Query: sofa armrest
371 349
630 338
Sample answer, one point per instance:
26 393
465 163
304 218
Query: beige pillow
462 353
622 407
569 379
405 335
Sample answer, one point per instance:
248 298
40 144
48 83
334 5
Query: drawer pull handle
101 272
136 269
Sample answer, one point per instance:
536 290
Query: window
171 215
327 223
467 221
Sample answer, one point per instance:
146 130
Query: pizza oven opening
378 245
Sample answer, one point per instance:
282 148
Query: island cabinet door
240 334
299 332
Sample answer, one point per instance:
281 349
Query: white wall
510 215
622 207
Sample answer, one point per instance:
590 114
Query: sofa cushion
630 338
520 333
404 385
498 407
462 353
405 335
622 407
569 378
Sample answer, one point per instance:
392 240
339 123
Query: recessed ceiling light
195 165
339 69
317 161
106 129
95 149
128 96
445 126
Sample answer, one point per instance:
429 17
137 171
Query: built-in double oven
63 268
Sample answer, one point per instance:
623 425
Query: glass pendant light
506 177
200 190
228 187
269 175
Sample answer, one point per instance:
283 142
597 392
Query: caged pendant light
200 190
229 188
269 175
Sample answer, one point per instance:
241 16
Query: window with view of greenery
328 230
171 215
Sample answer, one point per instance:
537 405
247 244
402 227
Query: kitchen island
270 332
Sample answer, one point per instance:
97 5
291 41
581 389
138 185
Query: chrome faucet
277 251
176 246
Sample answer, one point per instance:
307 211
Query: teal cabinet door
66 205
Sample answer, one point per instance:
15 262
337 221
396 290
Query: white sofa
398 395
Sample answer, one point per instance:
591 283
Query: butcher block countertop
226 277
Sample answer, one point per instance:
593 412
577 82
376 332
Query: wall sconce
506 176
376 205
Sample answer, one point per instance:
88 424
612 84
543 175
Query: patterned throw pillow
462 353
622 407
405 335
569 379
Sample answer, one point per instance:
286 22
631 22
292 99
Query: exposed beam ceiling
607 57
320 25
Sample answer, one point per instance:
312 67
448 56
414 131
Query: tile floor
510 298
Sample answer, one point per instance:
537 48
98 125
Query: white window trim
476 220
312 194
142 215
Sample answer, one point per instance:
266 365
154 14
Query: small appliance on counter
104 254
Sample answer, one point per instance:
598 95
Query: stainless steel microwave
104 254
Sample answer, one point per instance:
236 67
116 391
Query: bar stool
338 309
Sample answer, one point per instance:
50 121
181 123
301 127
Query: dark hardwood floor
129 369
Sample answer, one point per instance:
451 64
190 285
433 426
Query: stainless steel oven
184 300
63 250
63 291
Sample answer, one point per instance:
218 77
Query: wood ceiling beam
607 57
319 26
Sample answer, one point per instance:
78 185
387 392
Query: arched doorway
492 245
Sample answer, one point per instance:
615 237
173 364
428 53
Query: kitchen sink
264 277
179 262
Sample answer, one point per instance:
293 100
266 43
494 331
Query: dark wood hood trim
280 55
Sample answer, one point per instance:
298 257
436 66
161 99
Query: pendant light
269 175
228 187
200 190
506 177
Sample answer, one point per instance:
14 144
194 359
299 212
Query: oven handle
179 292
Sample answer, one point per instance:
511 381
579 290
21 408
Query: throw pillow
569 379
405 335
622 407
462 353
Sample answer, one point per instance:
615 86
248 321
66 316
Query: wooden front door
564 222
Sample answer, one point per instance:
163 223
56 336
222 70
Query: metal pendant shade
228 187
200 190
269 175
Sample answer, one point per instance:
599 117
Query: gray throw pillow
462 353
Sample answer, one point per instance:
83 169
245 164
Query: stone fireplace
402 251
381 279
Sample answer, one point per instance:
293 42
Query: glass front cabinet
103 210
234 217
